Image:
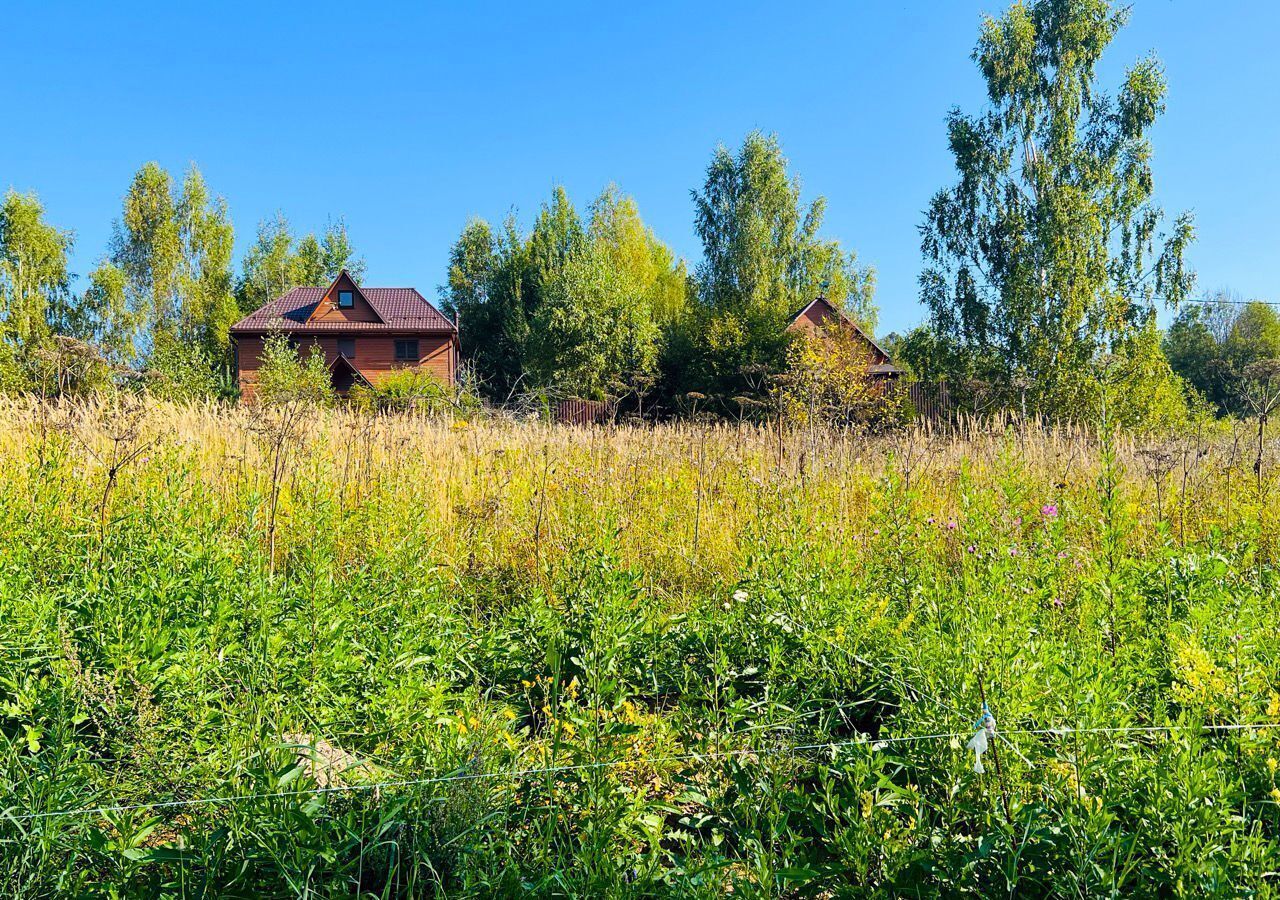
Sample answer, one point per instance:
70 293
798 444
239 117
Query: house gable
822 314
329 309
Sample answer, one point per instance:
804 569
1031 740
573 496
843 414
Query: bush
286 377
415 390
828 382
181 371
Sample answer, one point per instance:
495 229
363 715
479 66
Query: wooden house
821 315
364 333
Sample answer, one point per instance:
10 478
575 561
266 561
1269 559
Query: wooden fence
582 412
932 401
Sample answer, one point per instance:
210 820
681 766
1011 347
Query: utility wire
863 740
864 662
1218 302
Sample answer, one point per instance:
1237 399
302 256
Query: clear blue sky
406 119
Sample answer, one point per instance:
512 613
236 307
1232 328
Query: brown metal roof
401 309
843 318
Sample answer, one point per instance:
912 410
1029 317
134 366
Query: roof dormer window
346 299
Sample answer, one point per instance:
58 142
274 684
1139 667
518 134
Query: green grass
692 627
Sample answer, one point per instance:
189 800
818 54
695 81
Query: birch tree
1049 250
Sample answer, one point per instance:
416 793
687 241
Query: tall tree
174 253
34 284
596 331
208 307
571 306
147 247
1211 345
476 301
276 262
1048 250
762 261
658 279
488 293
267 270
318 260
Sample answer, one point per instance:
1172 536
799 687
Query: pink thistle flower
952 525
1049 510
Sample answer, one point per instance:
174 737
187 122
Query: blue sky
406 119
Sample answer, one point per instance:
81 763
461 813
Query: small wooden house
822 315
364 333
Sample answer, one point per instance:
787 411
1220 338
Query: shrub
415 390
828 382
177 370
287 377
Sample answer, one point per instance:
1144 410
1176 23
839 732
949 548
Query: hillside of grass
341 655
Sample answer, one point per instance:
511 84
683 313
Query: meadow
393 656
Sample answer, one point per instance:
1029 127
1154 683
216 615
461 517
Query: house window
346 299
347 347
406 351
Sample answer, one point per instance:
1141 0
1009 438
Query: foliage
762 262
104 315
34 282
40 322
414 389
827 382
1139 386
180 371
577 309
1211 345
286 377
274 263
174 253
671 660
1048 252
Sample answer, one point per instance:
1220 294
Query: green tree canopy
575 307
173 253
276 262
1212 344
1048 251
104 315
762 261
35 289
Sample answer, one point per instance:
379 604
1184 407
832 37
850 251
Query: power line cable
863 740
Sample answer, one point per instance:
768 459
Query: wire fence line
862 740
873 743
863 661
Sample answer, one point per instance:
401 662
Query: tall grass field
338 655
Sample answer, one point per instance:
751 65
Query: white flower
740 595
